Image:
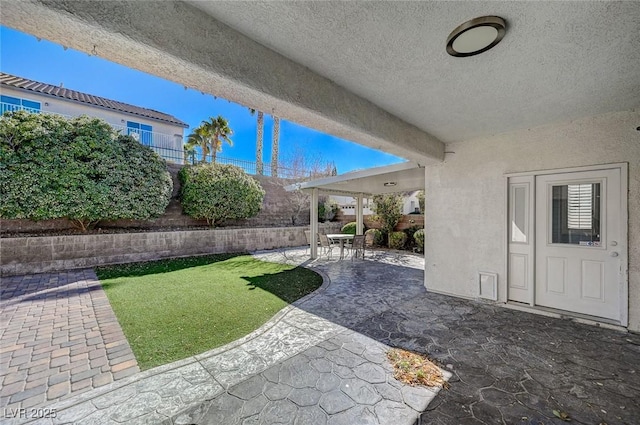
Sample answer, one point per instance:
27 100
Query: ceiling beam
178 42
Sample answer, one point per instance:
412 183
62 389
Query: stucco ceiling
558 60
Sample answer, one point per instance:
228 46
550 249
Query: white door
578 242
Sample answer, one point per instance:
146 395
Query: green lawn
172 309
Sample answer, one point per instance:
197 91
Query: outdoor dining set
351 245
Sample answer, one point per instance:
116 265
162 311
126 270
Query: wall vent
488 285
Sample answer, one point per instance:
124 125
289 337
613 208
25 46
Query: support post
314 223
359 215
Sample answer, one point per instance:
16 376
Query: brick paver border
59 338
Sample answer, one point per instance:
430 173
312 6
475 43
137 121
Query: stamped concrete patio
323 361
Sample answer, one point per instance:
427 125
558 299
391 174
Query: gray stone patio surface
322 361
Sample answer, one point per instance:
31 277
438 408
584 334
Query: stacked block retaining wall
49 253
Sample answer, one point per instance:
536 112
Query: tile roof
76 96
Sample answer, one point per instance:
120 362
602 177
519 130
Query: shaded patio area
322 361
508 366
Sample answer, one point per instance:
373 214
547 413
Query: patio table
341 237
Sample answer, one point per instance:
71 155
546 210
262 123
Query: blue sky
23 55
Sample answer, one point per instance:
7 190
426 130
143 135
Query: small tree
327 209
297 201
79 169
218 192
298 166
388 207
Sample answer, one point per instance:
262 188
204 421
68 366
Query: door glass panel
519 211
576 214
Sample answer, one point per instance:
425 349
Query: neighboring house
529 152
347 204
162 132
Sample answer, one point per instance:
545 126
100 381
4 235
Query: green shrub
218 192
410 235
375 236
349 228
397 240
421 203
418 237
79 169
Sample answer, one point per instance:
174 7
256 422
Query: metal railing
253 167
10 107
167 146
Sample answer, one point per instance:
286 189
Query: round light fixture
476 36
390 184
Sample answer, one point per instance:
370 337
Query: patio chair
325 244
357 246
307 235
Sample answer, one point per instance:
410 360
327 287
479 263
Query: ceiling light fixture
476 36
390 184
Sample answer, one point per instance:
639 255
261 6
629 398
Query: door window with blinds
576 214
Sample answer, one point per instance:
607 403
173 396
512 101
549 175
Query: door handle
614 254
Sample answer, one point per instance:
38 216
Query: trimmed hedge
219 192
79 169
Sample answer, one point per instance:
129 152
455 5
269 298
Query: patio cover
404 177
407 176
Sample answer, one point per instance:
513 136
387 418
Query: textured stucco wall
466 199
44 254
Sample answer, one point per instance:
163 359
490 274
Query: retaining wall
49 253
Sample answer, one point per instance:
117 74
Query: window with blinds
576 214
580 208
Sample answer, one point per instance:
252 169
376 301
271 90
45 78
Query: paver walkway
322 361
58 337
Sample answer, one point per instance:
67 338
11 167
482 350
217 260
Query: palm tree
274 146
199 138
189 154
218 131
259 136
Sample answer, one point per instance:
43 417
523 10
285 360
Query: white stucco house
529 152
164 133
